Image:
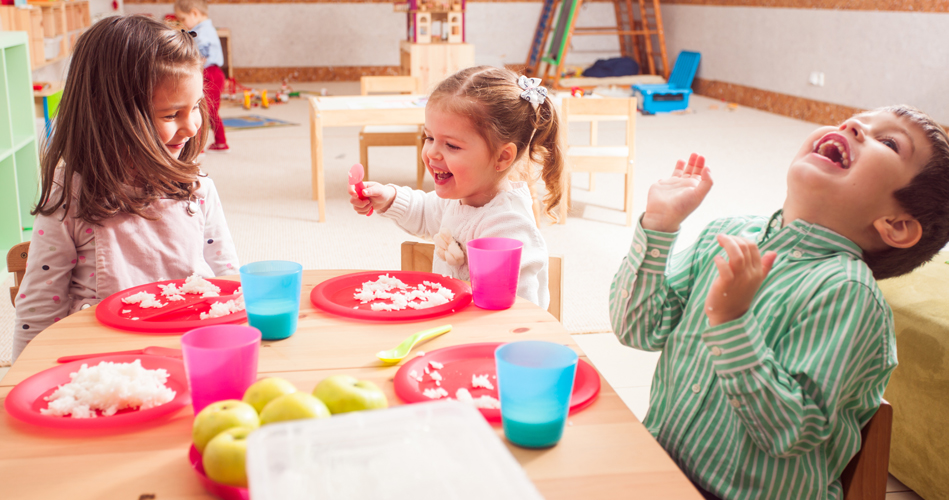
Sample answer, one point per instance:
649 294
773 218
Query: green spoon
402 350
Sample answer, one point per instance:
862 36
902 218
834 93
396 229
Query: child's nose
854 127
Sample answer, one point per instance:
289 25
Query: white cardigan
508 215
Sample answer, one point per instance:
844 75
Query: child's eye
171 117
890 143
451 146
427 138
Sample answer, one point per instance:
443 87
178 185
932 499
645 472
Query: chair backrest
687 63
419 256
16 264
388 85
585 109
866 474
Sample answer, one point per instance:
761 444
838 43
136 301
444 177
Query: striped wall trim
877 5
823 113
312 73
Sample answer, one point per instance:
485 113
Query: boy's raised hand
379 197
738 279
671 200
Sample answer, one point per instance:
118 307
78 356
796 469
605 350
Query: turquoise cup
272 296
535 382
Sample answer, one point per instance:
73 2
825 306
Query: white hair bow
533 91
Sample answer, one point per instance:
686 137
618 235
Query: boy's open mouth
835 148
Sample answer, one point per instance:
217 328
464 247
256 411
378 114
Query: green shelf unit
19 157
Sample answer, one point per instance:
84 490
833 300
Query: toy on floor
672 96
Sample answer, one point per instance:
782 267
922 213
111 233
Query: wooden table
605 451
348 111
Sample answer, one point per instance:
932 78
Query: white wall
868 58
368 34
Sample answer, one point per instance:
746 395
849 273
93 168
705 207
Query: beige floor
747 150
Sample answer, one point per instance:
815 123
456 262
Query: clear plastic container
442 450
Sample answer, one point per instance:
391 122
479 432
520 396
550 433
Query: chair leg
364 156
591 182
565 198
628 198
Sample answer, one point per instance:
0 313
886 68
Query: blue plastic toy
672 96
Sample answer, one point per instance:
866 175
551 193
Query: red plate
109 311
222 491
26 399
335 296
462 361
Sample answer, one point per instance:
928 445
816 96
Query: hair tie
533 91
192 33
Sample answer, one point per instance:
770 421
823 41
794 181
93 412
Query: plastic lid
438 450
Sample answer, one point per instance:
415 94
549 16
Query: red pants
213 83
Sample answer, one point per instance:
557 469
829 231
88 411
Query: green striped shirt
769 405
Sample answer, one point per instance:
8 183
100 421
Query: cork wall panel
312 73
823 113
879 5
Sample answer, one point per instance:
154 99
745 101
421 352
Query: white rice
436 365
481 381
143 299
435 393
401 295
109 387
219 309
196 284
435 376
485 402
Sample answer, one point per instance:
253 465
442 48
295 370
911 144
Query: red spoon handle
359 187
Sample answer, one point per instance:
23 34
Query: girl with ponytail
485 129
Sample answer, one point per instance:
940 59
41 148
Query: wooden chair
595 158
16 263
390 135
419 256
866 474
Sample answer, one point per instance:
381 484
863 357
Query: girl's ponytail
545 149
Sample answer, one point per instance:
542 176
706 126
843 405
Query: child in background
776 342
193 14
479 124
123 202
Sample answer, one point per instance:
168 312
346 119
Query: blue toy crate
672 96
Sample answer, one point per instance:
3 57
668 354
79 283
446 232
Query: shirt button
696 388
654 252
796 254
85 306
192 207
774 223
623 293
638 248
735 403
716 351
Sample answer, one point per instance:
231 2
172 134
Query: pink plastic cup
220 361
494 265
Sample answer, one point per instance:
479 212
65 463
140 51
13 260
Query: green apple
343 393
265 390
225 455
293 406
220 416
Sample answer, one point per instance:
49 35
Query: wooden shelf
43 20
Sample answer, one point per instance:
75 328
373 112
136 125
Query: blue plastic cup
272 296
535 382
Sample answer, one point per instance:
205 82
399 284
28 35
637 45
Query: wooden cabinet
19 158
49 26
431 62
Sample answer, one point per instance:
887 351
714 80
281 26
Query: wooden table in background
605 452
349 111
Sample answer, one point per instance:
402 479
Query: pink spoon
355 179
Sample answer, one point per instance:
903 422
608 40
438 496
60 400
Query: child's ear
506 156
899 231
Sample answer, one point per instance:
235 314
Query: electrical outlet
817 79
